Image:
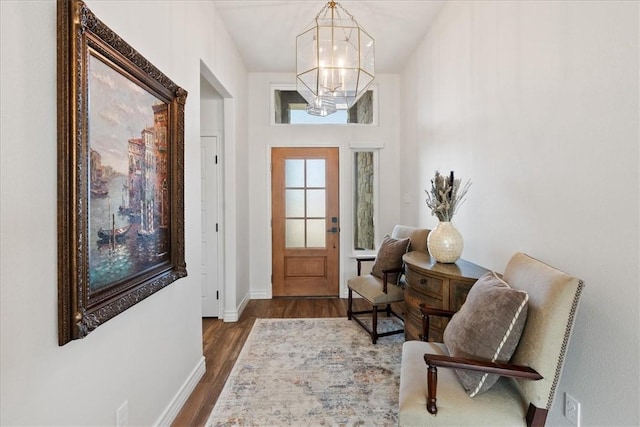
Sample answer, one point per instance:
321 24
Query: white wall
229 79
537 103
263 136
145 354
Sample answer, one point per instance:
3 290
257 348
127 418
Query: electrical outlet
572 409
122 415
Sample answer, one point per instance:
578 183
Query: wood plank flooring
222 343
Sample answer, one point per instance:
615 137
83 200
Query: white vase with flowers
445 243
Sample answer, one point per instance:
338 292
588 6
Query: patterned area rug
313 372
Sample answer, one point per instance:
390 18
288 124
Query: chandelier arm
321 10
347 12
317 82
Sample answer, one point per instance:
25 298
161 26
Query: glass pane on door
294 172
316 173
294 203
316 203
316 234
294 233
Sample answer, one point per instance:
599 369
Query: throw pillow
390 257
488 326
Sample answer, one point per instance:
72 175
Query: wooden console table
437 285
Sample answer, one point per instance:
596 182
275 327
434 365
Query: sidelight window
364 200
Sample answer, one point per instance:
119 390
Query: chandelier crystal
321 106
335 61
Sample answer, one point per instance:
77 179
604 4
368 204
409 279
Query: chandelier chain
333 5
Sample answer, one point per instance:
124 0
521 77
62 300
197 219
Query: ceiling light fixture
335 61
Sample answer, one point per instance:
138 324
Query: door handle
333 230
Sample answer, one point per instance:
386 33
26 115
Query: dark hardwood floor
222 343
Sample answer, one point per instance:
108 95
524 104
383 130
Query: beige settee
517 398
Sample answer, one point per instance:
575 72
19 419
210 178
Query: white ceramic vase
445 242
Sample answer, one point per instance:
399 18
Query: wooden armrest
504 369
385 273
360 260
430 311
434 361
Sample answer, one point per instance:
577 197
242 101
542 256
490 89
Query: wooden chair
527 386
382 292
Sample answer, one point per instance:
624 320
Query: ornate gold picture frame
120 174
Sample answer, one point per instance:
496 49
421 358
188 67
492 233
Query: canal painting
128 175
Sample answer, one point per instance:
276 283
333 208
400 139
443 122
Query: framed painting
120 174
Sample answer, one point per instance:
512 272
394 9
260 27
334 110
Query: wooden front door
305 223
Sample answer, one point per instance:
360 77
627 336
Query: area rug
312 372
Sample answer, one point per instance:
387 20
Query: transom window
289 107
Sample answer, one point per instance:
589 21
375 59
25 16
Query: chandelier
335 61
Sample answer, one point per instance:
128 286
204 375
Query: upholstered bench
384 286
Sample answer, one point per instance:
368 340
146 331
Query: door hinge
216 227
217 294
216 159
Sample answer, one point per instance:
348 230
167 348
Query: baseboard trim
172 410
260 295
234 315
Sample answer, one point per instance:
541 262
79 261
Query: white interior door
210 259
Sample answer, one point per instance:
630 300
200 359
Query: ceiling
265 31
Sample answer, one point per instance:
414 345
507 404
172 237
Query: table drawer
427 285
413 299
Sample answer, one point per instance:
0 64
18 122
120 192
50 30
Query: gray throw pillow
488 326
390 257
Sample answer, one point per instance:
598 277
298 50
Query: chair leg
349 302
374 324
388 310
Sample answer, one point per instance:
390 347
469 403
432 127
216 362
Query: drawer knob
423 281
